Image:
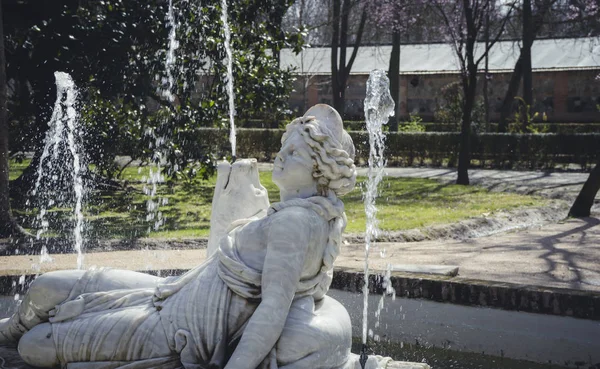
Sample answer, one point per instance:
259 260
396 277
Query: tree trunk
5 213
464 155
583 204
469 84
515 79
335 83
340 69
486 100
511 92
394 75
8 225
342 80
526 55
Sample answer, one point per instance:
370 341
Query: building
566 77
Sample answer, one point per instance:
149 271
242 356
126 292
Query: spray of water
50 170
229 62
155 176
170 61
379 106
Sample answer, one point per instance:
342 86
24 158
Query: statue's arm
288 239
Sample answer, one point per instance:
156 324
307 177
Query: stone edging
473 292
454 290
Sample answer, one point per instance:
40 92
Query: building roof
546 55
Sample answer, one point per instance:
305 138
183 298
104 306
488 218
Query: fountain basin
448 327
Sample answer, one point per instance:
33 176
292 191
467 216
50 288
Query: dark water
436 357
441 358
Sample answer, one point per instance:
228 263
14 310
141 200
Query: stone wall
564 96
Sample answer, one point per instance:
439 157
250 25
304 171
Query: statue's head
318 149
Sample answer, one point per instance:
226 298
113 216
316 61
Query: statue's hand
238 195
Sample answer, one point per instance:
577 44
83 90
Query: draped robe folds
193 320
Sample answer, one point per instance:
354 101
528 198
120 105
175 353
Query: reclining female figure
258 302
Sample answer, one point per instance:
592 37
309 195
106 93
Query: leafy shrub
523 118
413 125
450 108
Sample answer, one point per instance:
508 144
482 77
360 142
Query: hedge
493 150
359 125
564 128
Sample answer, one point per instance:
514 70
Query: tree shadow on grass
125 215
399 190
121 214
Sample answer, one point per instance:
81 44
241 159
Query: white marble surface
262 291
238 195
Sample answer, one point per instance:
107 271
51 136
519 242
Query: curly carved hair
333 155
332 151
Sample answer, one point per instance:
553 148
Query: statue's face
293 166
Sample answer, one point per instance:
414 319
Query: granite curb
480 293
444 289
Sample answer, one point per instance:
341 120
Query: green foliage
523 118
116 51
450 108
413 125
110 125
449 111
563 128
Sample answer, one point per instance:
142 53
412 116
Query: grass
16 168
403 203
406 203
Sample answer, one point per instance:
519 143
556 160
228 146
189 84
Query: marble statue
258 301
236 184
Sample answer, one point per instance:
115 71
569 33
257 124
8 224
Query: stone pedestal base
9 358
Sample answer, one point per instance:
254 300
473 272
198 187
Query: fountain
229 62
295 243
62 143
280 255
378 106
155 175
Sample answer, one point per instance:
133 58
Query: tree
394 76
7 222
548 18
313 17
275 13
340 67
463 21
584 201
92 39
396 17
531 26
115 51
526 54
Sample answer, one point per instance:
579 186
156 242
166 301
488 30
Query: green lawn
403 203
16 168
